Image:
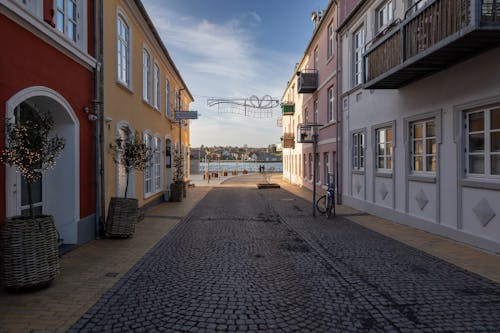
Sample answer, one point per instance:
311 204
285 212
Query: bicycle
326 203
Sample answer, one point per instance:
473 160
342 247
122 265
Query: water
250 166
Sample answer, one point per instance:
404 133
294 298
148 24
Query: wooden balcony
430 39
307 81
288 108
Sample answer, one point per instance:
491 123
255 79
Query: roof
162 45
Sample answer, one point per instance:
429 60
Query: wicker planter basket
176 191
123 214
29 252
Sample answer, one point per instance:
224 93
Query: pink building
311 98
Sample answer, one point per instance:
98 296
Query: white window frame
123 69
168 102
425 139
316 110
487 152
330 43
67 21
146 76
386 144
358 51
35 7
358 150
331 104
148 170
384 15
157 87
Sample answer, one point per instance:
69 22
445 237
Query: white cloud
224 59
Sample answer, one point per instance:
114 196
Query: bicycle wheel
321 204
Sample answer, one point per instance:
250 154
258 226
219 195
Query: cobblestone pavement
249 260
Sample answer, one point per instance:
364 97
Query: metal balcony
288 108
430 39
307 81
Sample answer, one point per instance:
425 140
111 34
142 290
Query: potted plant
177 187
132 154
29 243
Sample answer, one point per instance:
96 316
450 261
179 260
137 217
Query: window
168 106
176 101
330 41
483 142
316 58
326 167
306 115
358 151
66 18
146 76
123 51
310 167
157 93
157 164
359 44
423 145
148 170
331 104
384 15
316 111
383 137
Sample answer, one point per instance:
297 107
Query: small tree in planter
132 154
29 243
177 187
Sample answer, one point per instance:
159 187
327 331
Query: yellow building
142 91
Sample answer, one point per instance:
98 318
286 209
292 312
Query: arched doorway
58 193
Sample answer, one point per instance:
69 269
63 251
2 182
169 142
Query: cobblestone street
248 260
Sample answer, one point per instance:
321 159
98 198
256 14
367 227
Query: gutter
96 105
101 111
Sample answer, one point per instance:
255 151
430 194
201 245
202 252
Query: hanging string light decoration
252 106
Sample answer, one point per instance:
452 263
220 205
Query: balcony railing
431 38
307 81
288 108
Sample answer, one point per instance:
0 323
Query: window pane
430 129
495 119
381 149
389 149
495 164
381 136
389 134
380 163
476 163
417 131
476 122
389 163
72 11
418 147
495 141
417 163
60 21
431 146
60 4
72 31
476 142
430 162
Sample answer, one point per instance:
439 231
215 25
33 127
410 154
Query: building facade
313 93
421 113
143 90
48 65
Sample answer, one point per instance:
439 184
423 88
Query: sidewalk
475 260
89 271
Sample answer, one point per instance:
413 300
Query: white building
421 110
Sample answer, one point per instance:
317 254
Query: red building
47 63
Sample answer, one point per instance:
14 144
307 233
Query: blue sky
234 48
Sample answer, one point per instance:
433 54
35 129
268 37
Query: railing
385 56
490 11
426 27
307 81
434 23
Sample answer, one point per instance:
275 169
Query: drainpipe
96 128
101 111
337 127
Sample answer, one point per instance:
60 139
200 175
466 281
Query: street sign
181 115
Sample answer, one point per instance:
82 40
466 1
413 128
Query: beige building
143 90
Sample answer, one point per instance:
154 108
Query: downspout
337 152
96 128
101 111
